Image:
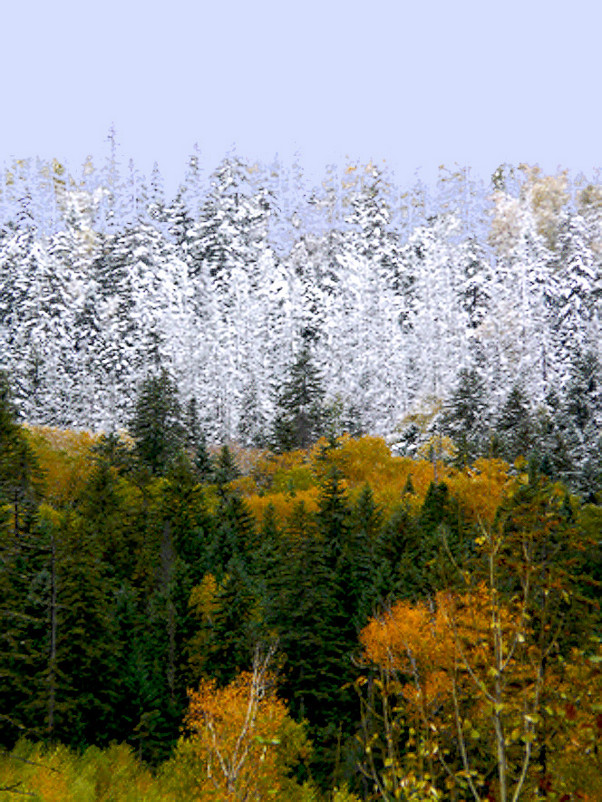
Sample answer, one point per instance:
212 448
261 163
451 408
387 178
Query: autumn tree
474 672
240 742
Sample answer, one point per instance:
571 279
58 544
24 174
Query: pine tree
365 524
234 536
225 469
236 629
315 635
581 421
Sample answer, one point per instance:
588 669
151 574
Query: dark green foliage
396 547
203 463
552 449
333 515
27 575
186 510
150 580
584 392
581 420
236 627
112 450
105 519
465 417
315 633
196 443
515 427
19 474
300 419
543 547
226 469
156 424
8 413
234 535
80 640
362 559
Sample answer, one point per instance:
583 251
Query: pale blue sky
416 83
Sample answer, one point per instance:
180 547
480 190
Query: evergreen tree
236 627
156 424
365 585
86 648
581 420
315 636
299 420
465 416
515 427
225 470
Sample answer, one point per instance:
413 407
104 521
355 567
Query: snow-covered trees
103 278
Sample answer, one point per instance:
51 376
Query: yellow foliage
266 465
202 598
547 195
64 457
56 774
368 460
283 503
542 196
481 489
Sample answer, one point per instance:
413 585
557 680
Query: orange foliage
430 647
242 739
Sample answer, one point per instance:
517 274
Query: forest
321 622
403 295
300 486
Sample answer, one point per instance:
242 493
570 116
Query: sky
416 84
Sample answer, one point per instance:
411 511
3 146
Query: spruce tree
156 424
515 426
308 614
300 419
581 421
465 416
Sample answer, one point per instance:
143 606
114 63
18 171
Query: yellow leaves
542 197
283 503
48 514
547 195
56 774
481 489
202 601
439 447
64 458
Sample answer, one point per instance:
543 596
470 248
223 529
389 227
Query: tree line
400 290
